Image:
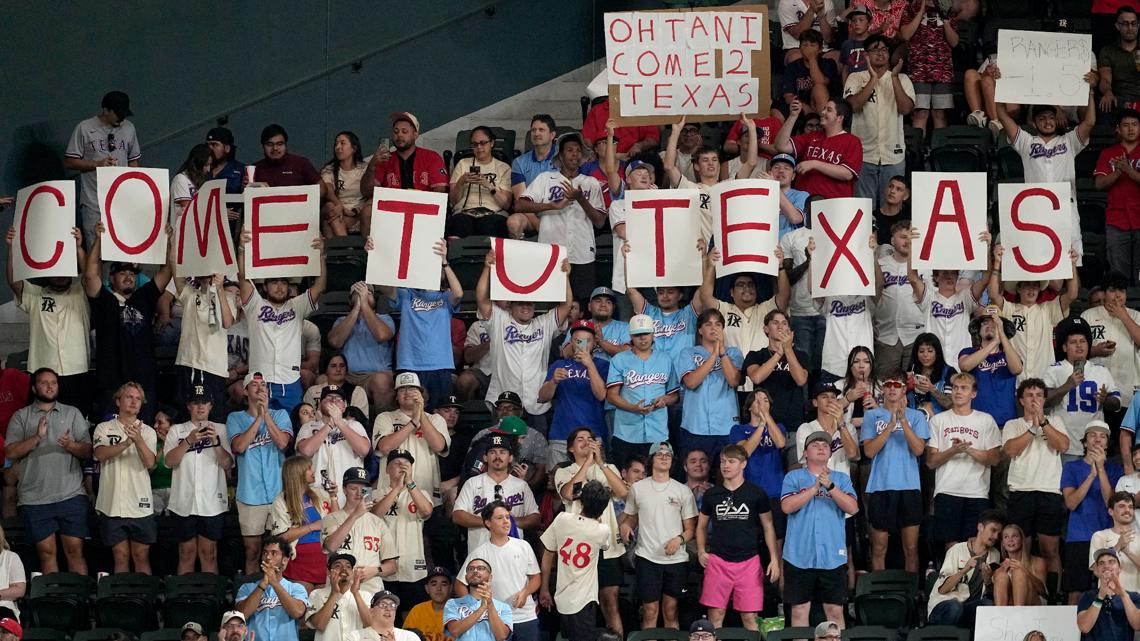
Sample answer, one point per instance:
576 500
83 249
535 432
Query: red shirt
290 171
842 149
1110 6
427 171
595 128
766 130
1123 210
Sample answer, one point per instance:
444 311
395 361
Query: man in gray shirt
48 441
106 140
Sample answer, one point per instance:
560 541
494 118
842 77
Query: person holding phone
577 386
1079 391
480 190
358 530
199 455
966 572
334 441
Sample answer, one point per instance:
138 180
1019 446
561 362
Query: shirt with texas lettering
842 150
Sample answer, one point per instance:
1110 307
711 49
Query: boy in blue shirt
477 616
1087 484
577 385
710 372
641 384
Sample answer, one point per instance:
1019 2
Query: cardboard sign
202 240
949 211
712 64
1043 67
284 221
1036 230
135 202
745 215
45 216
406 224
528 271
842 263
1013 623
666 224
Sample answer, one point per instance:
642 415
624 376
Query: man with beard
274 604
341 606
48 440
59 323
355 531
1122 537
123 317
223 162
233 627
274 324
383 627
334 441
279 168
411 167
1119 78
495 484
1116 173
569 208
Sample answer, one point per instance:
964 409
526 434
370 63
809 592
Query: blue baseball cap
634 165
788 158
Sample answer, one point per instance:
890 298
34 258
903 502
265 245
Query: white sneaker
995 127
977 119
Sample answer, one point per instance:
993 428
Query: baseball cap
119 266
508 397
341 556
640 324
330 390
583 325
401 454
397 116
502 441
118 102
439 570
823 388
822 629
787 158
13 626
382 595
603 291
355 475
702 625
450 401
660 445
818 435
251 377
1096 557
232 614
568 136
512 426
1098 424
408 379
220 134
858 11
199 395
640 164
195 627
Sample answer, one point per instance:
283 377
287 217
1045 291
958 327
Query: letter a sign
949 212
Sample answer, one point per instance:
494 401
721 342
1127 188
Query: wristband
410 485
1098 603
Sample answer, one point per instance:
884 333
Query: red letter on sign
33 263
202 225
958 218
512 286
1043 229
659 207
158 213
841 248
257 229
728 257
409 211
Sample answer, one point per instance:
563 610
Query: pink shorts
743 581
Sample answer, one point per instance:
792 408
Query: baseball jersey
369 540
92 139
706 212
519 354
1080 405
259 466
661 510
615 547
476 336
815 536
672 331
202 342
790 12
275 335
574 402
842 150
569 226
270 620
335 454
480 490
948 318
615 331
1123 208
849 325
198 482
894 467
1124 364
425 472
897 318
794 245
962 475
345 617
956 559
577 543
465 606
879 125
642 380
428 171
1038 467
744 328
182 191
124 482
361 349
1033 334
425 317
616 215
406 523
512 563
59 327
1051 161
710 409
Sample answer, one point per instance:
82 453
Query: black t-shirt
407 170
451 466
882 223
124 336
735 519
787 395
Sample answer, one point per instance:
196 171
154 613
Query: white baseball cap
640 324
408 379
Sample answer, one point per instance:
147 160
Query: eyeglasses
700 636
385 605
830 636
480 143
878 50
233 626
478 568
1129 24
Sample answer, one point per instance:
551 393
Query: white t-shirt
346 184
345 618
615 548
569 227
478 491
684 165
11 572
848 326
124 482
1129 573
1049 162
369 540
957 557
948 318
203 346
794 245
791 11
1038 467
577 543
962 475
838 460
335 454
898 319
198 482
512 564
661 510
1079 406
59 326
476 336
1130 483
368 634
1124 364
617 217
744 328
425 472
1033 337
275 336
406 523
519 355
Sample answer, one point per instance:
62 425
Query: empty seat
791 634
887 598
60 601
128 601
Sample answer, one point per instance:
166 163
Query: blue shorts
69 518
116 529
285 396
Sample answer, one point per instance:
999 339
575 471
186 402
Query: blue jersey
259 466
361 349
574 402
816 538
799 199
711 409
996 387
425 330
672 331
1132 416
766 466
642 380
269 620
615 331
1090 515
894 467
464 606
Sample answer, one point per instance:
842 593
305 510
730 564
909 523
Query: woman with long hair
929 376
1020 579
190 176
297 514
12 582
348 211
858 387
764 440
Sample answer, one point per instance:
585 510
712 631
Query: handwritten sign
665 223
1043 68
44 246
283 221
745 215
1036 230
843 263
949 211
406 224
134 205
528 271
711 64
1013 623
202 236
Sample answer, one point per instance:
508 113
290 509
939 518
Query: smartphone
474 168
1079 366
384 143
581 344
367 494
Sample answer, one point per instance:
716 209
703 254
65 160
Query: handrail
481 8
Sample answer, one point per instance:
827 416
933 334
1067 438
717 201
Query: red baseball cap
13 626
583 324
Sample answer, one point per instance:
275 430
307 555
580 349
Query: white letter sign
1036 231
203 244
527 271
284 221
949 211
1014 623
1043 68
666 224
45 216
745 217
134 203
406 224
842 263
